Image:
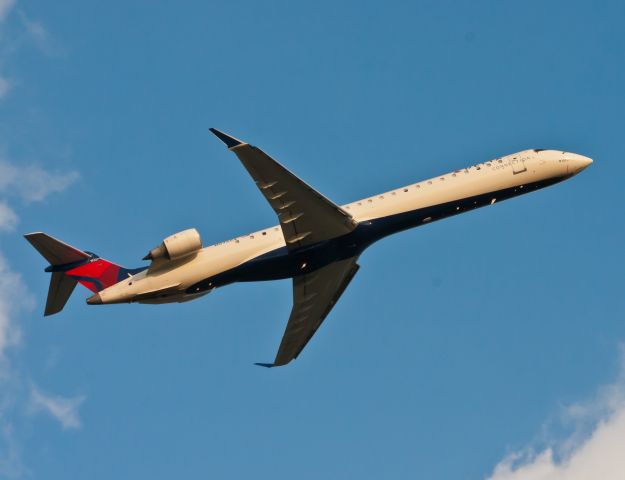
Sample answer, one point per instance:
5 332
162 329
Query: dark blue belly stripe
280 263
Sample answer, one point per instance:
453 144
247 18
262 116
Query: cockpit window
536 150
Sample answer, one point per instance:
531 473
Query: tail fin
70 266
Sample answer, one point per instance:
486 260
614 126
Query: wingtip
266 365
230 142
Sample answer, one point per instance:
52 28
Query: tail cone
94 299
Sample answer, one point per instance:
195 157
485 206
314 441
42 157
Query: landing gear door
518 165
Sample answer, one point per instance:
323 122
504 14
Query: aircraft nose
577 162
94 299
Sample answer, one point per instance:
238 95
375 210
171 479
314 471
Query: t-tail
69 266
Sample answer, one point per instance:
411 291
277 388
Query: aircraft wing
305 215
314 295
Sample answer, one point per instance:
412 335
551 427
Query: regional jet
316 243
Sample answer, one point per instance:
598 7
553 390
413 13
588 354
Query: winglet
266 365
230 142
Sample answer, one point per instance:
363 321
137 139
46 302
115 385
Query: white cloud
13 296
597 454
29 183
35 29
63 409
32 183
8 218
5 7
37 34
10 456
11 41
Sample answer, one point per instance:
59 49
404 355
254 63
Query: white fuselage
516 172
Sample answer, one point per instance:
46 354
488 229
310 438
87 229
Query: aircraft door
518 165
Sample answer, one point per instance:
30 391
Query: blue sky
485 346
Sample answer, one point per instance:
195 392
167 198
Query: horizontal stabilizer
53 250
61 287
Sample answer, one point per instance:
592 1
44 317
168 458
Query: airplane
317 243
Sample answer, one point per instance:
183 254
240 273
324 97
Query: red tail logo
98 274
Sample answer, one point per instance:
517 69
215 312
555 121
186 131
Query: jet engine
177 246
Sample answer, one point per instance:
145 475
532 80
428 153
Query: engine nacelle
177 246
